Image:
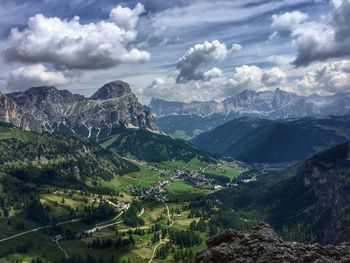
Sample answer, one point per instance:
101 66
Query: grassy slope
35 157
149 146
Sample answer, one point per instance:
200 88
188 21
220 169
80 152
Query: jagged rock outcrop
11 113
113 105
46 104
111 90
262 244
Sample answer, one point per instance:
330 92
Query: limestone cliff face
262 244
11 113
113 105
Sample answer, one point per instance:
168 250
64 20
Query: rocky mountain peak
41 89
262 244
53 108
114 89
44 95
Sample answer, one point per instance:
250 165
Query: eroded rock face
11 113
113 105
262 244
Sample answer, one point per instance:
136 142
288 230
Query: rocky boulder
262 244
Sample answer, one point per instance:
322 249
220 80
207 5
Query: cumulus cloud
216 84
212 73
125 17
167 88
190 65
273 77
70 44
328 78
288 20
255 78
38 75
318 41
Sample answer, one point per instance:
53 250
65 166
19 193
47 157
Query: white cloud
216 85
212 73
318 41
125 17
190 65
72 45
38 75
167 88
273 77
328 78
246 77
337 3
288 20
255 78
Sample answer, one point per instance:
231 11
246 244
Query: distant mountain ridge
277 104
270 104
113 105
273 141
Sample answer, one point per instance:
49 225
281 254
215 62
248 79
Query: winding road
39 228
109 223
97 227
106 224
160 235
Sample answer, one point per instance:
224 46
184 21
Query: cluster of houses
120 205
117 204
156 188
195 178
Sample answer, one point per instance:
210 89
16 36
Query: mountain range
277 104
49 109
274 141
112 116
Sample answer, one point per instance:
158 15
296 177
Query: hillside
273 141
149 146
306 203
58 160
189 126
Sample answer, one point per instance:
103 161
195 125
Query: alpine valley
175 131
95 179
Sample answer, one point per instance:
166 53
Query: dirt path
155 248
61 248
160 235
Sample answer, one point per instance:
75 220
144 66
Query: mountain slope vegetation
310 202
55 159
273 141
149 146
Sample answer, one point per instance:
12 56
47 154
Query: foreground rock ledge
262 244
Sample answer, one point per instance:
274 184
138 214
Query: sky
191 50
